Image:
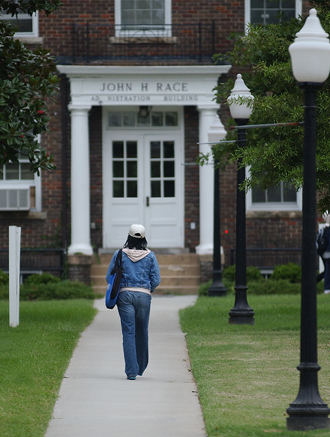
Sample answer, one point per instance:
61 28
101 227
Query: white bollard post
14 273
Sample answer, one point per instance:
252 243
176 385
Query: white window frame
166 32
35 23
149 126
248 11
273 206
35 182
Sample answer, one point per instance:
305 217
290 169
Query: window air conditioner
14 199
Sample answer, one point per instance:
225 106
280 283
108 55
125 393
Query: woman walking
140 278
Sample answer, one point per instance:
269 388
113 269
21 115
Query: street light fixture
240 105
217 287
310 56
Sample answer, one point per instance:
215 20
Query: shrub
56 290
44 278
290 271
252 273
4 278
202 291
281 286
47 287
203 288
4 292
229 273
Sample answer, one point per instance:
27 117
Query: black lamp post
240 102
310 56
217 287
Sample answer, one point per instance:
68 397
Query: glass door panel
162 169
124 169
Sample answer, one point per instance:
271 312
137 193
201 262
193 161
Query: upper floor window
269 11
143 17
24 24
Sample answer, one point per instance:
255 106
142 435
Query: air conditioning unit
14 199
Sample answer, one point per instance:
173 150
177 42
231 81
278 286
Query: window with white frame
269 11
143 17
20 189
25 25
283 197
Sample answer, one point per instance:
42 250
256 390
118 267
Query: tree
276 154
28 82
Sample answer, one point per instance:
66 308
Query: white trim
80 182
247 11
207 114
273 206
26 183
167 24
35 24
76 71
134 85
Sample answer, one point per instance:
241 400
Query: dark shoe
131 378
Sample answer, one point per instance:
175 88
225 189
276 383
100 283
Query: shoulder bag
113 282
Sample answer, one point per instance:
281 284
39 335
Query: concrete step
180 273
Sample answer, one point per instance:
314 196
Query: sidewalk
97 400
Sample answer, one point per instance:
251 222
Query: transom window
24 24
268 11
134 119
162 169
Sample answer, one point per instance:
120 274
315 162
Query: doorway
143 177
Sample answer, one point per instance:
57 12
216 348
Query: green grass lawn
246 375
33 359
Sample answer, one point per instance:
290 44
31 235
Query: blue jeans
134 310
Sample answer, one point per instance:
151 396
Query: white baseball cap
137 231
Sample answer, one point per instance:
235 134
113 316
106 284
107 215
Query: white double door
143 183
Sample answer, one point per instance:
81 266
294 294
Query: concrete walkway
97 400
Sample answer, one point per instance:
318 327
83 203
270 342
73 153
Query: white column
207 119
80 182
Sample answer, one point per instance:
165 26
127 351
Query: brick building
134 111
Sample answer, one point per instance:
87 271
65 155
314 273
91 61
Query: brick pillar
80 268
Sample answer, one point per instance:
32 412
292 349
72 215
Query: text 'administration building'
135 109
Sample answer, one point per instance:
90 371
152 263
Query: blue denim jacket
144 273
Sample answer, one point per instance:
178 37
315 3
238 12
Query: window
283 197
143 18
162 169
24 24
20 189
125 169
267 11
153 119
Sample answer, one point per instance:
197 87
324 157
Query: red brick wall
95 138
46 230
